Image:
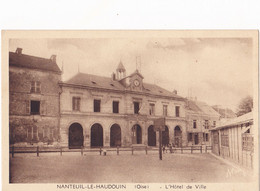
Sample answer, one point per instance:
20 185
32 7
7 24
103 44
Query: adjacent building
33 99
200 119
234 140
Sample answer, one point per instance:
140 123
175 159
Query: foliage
245 106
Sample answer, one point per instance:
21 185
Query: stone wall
24 127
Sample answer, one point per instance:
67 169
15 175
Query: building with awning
234 140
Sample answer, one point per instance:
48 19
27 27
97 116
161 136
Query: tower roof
120 66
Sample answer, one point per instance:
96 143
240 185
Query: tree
245 106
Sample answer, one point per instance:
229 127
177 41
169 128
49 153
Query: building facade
234 140
118 111
96 111
33 99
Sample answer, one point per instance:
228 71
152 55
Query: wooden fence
106 150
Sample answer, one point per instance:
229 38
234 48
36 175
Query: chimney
18 51
113 76
175 91
53 58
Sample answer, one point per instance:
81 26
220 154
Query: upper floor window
136 107
177 111
35 107
206 123
151 109
97 105
76 103
35 87
115 106
214 123
194 124
165 110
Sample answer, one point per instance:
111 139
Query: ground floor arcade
113 132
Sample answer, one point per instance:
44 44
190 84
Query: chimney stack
18 51
175 91
53 58
113 76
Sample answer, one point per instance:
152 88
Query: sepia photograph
109 109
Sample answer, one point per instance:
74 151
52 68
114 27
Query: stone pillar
87 137
145 134
106 137
171 134
157 138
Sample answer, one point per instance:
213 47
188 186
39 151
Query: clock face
136 83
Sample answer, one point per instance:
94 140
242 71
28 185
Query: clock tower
136 81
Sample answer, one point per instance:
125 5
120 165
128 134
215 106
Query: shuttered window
76 103
35 87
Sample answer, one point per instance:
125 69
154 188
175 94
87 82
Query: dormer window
35 87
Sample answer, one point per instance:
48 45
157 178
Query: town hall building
119 110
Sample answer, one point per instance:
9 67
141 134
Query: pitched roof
136 72
157 90
27 61
201 107
95 81
236 121
120 66
107 83
224 112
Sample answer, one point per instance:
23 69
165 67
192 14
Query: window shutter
27 107
43 107
38 87
32 87
78 104
73 103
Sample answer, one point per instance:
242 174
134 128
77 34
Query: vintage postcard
130 110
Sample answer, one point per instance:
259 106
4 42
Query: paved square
123 168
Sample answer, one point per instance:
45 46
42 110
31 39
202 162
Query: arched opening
115 136
177 136
165 136
96 135
136 134
76 138
151 136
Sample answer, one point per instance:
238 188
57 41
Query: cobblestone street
123 168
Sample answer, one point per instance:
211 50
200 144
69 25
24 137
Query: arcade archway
136 134
115 135
151 136
177 136
165 136
76 138
96 135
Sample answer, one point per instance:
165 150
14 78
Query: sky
217 71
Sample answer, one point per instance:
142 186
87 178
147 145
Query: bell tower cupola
120 71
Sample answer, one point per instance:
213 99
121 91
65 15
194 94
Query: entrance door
96 135
76 137
136 134
196 138
115 136
151 136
